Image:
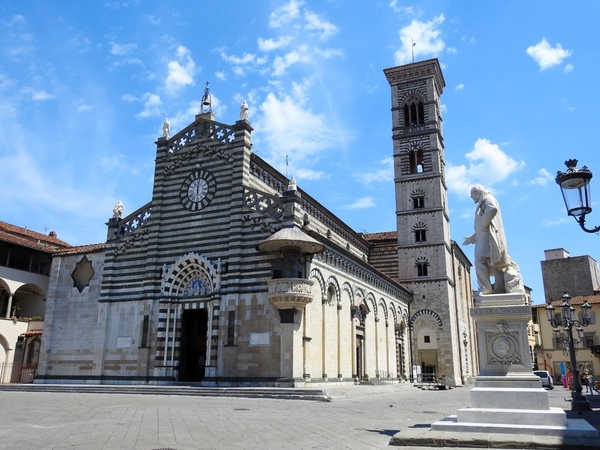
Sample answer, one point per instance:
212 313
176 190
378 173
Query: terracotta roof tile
384 237
32 333
575 301
29 239
90 248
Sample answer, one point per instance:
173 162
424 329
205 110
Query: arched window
420 230
421 264
414 112
415 159
418 198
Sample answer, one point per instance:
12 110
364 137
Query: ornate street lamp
566 321
575 187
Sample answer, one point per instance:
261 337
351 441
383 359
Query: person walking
585 381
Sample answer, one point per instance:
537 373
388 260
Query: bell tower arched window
415 160
420 230
422 264
418 198
414 113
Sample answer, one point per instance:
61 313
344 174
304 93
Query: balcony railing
286 293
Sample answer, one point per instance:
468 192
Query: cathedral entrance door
193 344
359 357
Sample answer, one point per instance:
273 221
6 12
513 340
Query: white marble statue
292 184
244 111
118 210
491 253
166 128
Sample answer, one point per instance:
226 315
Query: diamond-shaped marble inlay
82 274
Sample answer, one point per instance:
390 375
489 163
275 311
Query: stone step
274 393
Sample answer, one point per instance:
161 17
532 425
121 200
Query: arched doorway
193 345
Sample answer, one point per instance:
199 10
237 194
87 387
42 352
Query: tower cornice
415 71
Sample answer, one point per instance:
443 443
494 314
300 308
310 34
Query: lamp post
566 321
575 187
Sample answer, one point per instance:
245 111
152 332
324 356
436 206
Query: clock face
198 190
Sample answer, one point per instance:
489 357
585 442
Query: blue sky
85 87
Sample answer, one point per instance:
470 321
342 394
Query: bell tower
425 251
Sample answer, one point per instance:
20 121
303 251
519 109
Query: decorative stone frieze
286 293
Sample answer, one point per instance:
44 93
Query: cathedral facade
233 275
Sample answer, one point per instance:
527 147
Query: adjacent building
25 260
579 277
234 275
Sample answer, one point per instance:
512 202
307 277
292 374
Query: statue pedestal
508 397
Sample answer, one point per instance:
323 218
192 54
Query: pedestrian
592 383
585 381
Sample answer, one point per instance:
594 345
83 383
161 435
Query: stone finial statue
491 253
118 210
166 128
292 184
244 111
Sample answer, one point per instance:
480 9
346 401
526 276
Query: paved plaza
356 418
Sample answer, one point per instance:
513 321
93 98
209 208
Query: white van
545 377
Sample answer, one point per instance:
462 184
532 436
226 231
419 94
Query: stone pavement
358 417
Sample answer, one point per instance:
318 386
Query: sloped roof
90 248
291 237
384 237
30 239
32 333
575 301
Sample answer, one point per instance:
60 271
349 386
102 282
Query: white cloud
322 28
281 63
82 106
37 190
329 53
152 106
288 127
221 75
309 174
488 165
128 98
459 87
153 20
267 45
543 177
547 56
403 10
385 174
121 49
362 203
426 37
569 68
246 58
181 71
132 61
41 95
285 14
242 63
